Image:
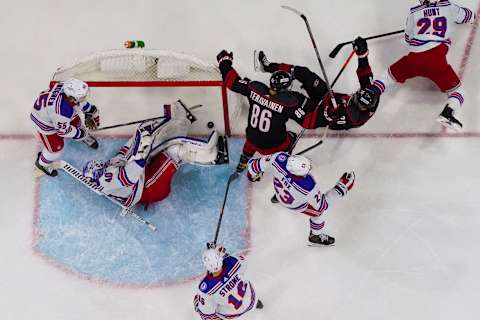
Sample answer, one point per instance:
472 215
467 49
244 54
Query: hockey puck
210 125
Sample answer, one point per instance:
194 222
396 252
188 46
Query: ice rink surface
406 235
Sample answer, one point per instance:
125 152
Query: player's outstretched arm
364 71
230 76
256 167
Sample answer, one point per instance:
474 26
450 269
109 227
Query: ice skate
50 171
447 119
274 199
320 240
259 304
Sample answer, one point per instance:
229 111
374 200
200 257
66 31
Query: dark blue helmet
280 80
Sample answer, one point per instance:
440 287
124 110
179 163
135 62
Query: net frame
145 72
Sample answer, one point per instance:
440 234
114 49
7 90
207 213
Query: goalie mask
93 170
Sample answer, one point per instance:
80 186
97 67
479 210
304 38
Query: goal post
148 68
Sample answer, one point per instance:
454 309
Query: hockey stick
344 66
148 119
329 88
232 177
75 173
339 46
324 134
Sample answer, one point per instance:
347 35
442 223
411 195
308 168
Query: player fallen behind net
272 106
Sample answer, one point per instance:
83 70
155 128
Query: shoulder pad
64 108
258 86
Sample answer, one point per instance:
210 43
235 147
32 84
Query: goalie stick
149 119
77 175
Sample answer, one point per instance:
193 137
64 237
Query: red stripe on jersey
232 75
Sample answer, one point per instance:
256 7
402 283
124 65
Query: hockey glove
92 118
81 134
345 183
255 178
118 161
360 47
225 56
219 248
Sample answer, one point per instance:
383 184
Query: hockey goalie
143 169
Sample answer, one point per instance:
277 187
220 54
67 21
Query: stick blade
293 10
336 50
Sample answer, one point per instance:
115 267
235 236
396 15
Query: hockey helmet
280 80
299 165
366 98
212 260
93 170
76 90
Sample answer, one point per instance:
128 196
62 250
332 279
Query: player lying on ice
224 292
297 190
353 110
143 169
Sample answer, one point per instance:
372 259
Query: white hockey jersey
228 295
428 26
52 113
293 192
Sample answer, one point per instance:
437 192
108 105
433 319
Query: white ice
407 236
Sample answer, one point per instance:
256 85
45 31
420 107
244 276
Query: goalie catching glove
92 118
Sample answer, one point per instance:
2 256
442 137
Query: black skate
274 199
91 142
259 304
222 153
320 240
447 119
47 170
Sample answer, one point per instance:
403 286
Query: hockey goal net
145 70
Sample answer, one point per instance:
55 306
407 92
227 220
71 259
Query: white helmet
298 165
212 260
76 89
93 170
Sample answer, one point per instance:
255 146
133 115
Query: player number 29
260 118
439 26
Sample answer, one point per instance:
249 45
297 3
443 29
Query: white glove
345 183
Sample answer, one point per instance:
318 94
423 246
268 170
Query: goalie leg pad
196 151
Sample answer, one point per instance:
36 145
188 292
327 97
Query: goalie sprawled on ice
143 169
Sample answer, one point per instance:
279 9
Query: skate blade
448 124
310 244
37 173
